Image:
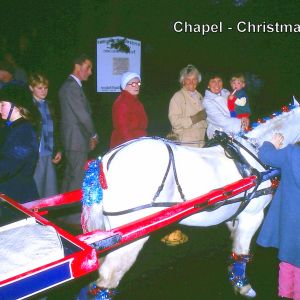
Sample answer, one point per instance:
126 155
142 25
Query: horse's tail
92 217
92 208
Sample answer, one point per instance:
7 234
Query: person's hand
199 116
277 140
245 122
56 159
93 143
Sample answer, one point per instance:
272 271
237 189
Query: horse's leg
113 268
232 226
242 233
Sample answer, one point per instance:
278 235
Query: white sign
115 56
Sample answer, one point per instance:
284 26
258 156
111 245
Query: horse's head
287 122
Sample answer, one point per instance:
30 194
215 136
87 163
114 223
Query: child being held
238 102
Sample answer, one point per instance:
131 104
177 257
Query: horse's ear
295 102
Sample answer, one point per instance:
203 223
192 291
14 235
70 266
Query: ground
196 270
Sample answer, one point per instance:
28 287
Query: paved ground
195 270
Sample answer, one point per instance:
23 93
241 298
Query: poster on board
115 56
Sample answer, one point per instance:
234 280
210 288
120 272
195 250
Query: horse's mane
283 122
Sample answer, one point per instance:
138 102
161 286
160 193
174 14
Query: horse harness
171 162
231 151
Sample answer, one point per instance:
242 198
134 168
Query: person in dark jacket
280 228
19 147
49 153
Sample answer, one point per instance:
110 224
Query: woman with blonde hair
186 112
188 119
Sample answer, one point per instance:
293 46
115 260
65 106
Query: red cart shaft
105 240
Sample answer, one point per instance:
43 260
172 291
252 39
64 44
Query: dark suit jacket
77 127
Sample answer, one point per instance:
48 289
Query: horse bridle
244 168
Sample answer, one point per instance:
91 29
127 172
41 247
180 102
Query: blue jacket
281 227
18 157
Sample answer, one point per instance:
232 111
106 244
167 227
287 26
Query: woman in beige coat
186 112
188 120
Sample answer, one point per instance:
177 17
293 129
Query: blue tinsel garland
101 293
237 274
91 187
291 106
237 270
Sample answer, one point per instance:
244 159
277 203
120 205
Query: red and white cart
77 255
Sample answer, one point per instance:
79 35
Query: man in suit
77 128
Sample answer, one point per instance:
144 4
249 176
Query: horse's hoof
251 293
246 291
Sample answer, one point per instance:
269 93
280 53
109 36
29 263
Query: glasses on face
134 84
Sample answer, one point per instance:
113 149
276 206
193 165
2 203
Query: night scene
149 150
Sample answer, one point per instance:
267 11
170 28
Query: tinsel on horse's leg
237 273
98 293
93 292
113 267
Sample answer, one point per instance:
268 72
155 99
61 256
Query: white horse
135 170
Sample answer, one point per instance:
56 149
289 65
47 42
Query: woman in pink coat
128 114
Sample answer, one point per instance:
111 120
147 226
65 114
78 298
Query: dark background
58 30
